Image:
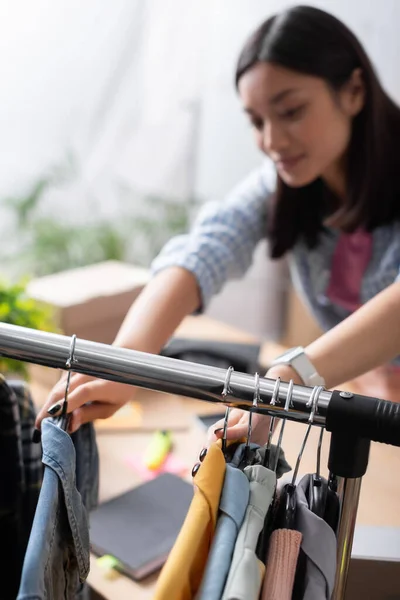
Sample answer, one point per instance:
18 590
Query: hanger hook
288 404
274 399
225 392
321 435
68 365
313 402
256 400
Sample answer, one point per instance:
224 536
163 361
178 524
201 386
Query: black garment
20 481
31 454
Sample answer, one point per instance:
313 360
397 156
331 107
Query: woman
319 113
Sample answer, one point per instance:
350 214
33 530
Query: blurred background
118 119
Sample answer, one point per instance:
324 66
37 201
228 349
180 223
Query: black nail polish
219 429
36 436
54 409
195 469
203 454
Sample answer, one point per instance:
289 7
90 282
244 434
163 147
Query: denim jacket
57 559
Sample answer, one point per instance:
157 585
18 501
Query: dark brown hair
311 41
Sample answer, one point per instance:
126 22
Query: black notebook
139 528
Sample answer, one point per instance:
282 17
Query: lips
289 163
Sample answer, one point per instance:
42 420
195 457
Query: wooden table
381 486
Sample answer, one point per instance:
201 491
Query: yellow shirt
183 571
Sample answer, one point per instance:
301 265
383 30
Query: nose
274 139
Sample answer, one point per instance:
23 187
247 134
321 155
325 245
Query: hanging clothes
57 558
232 509
20 476
281 564
236 454
31 455
257 454
245 574
319 547
282 465
182 573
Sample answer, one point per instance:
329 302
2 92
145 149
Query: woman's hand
238 422
89 398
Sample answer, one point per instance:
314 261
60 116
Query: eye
293 114
256 123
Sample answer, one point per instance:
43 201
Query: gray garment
258 454
232 508
244 579
282 466
318 544
238 455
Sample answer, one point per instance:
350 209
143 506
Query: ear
353 94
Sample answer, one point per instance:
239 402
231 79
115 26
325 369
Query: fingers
234 432
237 423
58 391
91 412
211 433
238 428
237 431
88 392
57 394
82 389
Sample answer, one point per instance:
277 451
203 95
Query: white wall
142 92
69 69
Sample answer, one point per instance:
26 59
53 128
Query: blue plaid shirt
222 242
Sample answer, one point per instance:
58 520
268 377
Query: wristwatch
299 361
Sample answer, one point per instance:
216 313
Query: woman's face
299 122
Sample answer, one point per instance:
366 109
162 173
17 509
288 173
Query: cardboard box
90 302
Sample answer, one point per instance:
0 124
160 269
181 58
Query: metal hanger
263 539
274 399
225 392
286 408
63 419
246 459
313 402
288 498
256 400
318 486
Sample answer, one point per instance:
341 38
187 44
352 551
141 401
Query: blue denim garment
57 559
232 508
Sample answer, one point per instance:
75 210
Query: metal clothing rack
353 420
